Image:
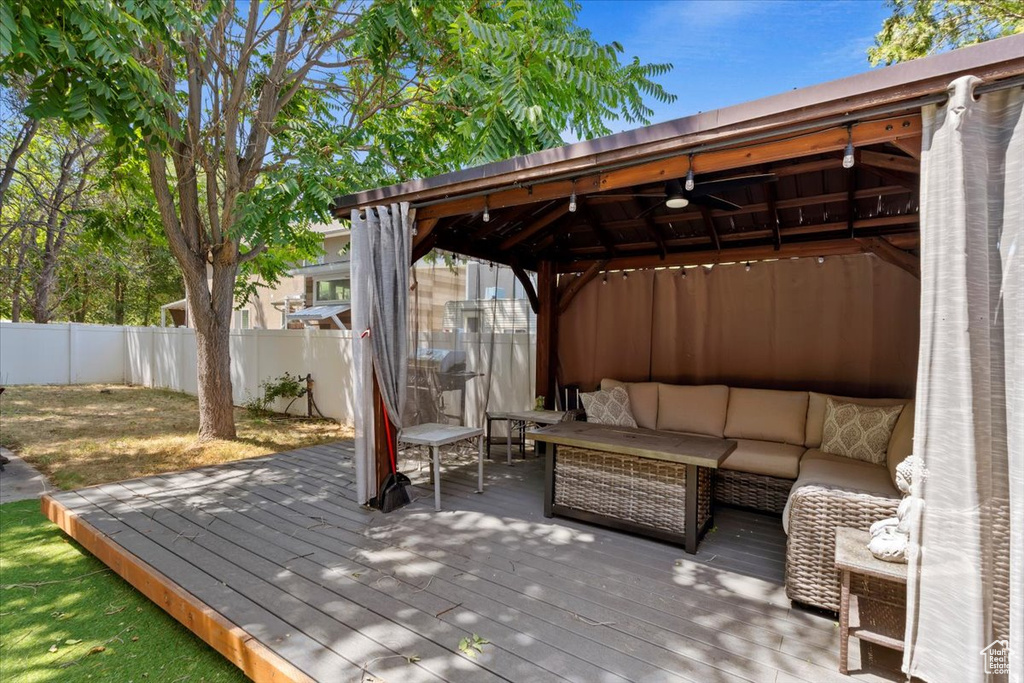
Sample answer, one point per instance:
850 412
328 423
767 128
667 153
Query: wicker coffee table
639 480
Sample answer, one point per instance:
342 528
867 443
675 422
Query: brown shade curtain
848 325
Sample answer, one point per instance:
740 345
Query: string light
625 275
848 156
572 198
821 259
487 210
747 267
689 184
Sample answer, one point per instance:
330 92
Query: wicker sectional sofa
778 467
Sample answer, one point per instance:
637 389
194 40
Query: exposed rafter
653 229
833 247
527 283
576 284
888 252
709 225
772 203
545 219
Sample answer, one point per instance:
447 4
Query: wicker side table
881 592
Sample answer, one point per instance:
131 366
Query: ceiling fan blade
711 186
650 208
715 203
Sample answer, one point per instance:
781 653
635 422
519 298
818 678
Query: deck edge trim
237 645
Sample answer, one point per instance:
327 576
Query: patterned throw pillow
609 407
858 432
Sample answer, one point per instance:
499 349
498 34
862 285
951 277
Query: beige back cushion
767 414
902 442
693 409
643 400
816 413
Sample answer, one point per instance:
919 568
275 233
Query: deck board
278 547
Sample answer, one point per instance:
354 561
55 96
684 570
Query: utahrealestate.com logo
997 657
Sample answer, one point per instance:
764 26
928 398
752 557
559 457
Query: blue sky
731 51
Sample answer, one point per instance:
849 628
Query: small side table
492 416
523 418
881 591
435 435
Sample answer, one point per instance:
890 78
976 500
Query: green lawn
65 617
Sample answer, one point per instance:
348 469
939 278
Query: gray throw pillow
609 407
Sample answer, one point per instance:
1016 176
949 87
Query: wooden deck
272 562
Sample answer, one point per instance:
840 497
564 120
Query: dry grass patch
93 434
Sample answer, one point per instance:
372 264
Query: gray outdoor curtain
967 551
381 253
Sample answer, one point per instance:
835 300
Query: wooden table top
436 434
852 554
703 451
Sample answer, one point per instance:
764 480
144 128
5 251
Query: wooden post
382 460
309 394
547 332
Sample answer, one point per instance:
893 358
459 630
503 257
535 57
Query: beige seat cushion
816 412
693 409
767 415
643 400
765 457
824 469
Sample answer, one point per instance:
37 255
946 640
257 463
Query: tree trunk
83 297
45 283
27 237
119 299
213 358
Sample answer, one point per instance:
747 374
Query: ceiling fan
676 196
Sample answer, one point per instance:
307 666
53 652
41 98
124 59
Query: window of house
242 320
333 290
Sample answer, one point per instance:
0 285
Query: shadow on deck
273 563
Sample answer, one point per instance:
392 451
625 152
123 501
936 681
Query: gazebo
836 238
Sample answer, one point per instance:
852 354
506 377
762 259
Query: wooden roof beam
603 235
536 226
851 195
820 229
423 240
885 250
909 146
527 284
892 162
831 247
831 140
709 225
578 283
771 201
652 228
510 218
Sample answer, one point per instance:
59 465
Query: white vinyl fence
165 358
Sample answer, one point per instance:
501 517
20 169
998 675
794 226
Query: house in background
470 296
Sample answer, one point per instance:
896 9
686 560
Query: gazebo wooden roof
813 205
